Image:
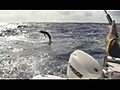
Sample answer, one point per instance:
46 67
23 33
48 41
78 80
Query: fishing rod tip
105 11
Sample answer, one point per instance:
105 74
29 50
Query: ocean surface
24 52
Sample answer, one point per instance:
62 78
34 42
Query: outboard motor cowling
83 66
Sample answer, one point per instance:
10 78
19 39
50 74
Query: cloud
80 12
115 13
56 15
87 13
65 12
74 15
84 16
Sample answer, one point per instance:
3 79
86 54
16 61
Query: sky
58 16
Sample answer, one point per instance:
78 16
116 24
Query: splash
19 38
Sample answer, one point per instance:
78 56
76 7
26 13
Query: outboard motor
83 66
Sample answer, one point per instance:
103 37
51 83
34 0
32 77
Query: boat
81 65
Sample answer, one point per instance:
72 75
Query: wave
24 52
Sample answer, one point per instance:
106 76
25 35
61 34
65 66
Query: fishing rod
108 17
110 20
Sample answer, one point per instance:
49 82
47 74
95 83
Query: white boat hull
47 77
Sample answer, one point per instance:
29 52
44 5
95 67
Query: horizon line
54 22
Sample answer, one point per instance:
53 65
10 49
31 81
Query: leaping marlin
46 33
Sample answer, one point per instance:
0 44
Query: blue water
25 53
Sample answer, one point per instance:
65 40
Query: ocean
24 52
